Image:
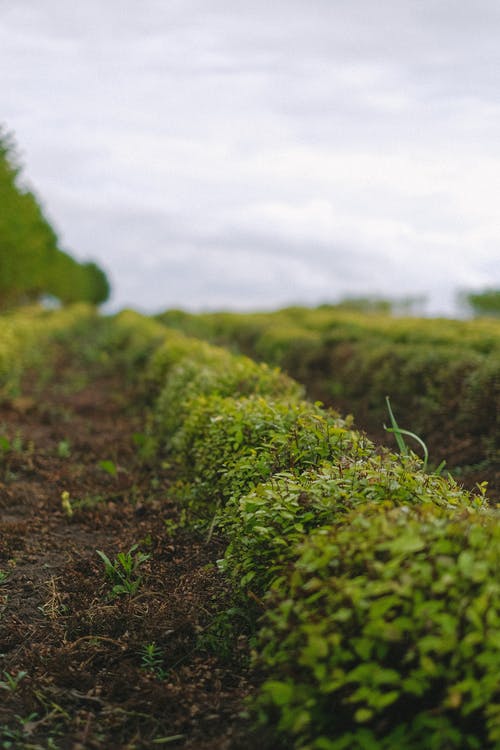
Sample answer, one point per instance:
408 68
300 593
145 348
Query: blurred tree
31 262
486 302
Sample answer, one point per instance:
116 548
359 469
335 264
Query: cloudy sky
229 154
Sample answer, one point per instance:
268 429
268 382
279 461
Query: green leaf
363 715
109 467
281 693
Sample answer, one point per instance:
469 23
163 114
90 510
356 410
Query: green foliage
227 445
386 630
11 682
439 372
25 339
398 434
378 582
123 572
266 525
64 448
129 340
486 302
347 549
152 659
109 467
31 262
201 370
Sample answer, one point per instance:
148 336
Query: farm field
181 530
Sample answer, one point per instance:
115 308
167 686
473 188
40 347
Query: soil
80 667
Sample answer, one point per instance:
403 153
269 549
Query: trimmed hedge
226 445
196 369
25 336
385 633
443 376
379 584
266 525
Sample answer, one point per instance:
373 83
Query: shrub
266 525
385 633
204 370
227 445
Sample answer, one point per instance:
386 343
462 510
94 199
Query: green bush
442 375
226 445
206 370
385 633
265 526
379 582
25 339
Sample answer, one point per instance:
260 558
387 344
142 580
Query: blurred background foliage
32 263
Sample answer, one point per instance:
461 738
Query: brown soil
74 671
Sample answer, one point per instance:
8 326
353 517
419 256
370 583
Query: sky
220 154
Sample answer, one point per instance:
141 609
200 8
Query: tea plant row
375 586
442 375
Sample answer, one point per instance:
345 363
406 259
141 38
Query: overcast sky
218 154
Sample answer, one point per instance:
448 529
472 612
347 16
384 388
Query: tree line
32 264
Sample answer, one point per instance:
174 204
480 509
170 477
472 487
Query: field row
443 376
375 585
372 586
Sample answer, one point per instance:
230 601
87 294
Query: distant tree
98 284
486 302
374 304
31 261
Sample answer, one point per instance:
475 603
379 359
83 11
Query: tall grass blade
398 432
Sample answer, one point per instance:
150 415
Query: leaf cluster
442 372
387 628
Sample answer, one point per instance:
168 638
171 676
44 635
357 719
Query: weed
123 572
147 445
403 448
64 449
220 637
3 576
109 467
11 682
5 445
152 660
89 501
20 736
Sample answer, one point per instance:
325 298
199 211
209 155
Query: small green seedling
109 467
64 449
152 660
123 572
5 445
11 682
403 448
3 576
146 445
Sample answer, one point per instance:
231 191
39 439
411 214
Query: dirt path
79 667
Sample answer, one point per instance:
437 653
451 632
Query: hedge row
25 337
443 376
378 584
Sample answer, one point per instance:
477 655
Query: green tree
486 302
31 262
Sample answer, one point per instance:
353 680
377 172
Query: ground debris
79 667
